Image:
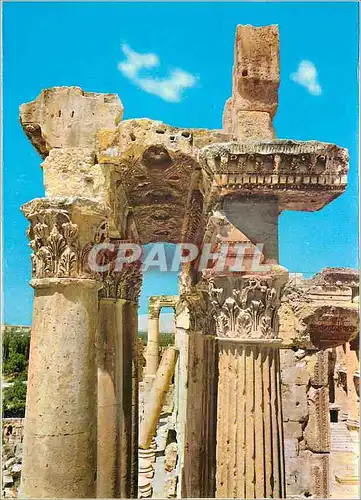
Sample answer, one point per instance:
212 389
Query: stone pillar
152 356
118 384
352 396
199 460
249 449
249 112
60 432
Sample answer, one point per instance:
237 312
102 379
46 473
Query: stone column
352 396
60 434
199 462
152 356
249 450
118 384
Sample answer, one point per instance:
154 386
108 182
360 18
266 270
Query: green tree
14 400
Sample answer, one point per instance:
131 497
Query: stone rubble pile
12 454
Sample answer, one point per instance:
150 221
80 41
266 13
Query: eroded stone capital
120 280
62 234
193 311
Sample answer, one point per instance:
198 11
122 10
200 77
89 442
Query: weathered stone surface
317 431
293 430
64 117
74 172
296 408
171 457
248 125
248 113
256 68
171 487
303 175
145 181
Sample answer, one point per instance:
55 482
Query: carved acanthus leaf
56 248
245 308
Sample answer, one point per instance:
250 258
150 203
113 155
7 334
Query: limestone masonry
259 395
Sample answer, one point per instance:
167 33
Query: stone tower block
249 112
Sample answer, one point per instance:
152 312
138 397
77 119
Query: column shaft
117 400
249 436
200 430
152 360
59 458
352 398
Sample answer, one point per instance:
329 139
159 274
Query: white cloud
166 322
306 75
169 89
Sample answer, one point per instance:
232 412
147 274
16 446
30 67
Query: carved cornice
288 169
62 233
245 308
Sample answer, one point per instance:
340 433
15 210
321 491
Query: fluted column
249 450
117 469
199 464
60 434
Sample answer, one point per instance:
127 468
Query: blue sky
47 44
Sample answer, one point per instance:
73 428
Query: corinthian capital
62 233
124 284
245 307
121 279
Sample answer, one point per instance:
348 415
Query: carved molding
59 251
245 308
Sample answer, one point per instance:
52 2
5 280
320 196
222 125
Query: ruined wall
306 422
12 454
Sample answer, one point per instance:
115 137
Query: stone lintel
156 302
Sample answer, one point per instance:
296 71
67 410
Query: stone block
248 125
256 68
7 480
171 457
292 430
170 487
63 117
296 408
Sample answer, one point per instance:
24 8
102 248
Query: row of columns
81 425
237 349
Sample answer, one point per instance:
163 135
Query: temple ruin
264 367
